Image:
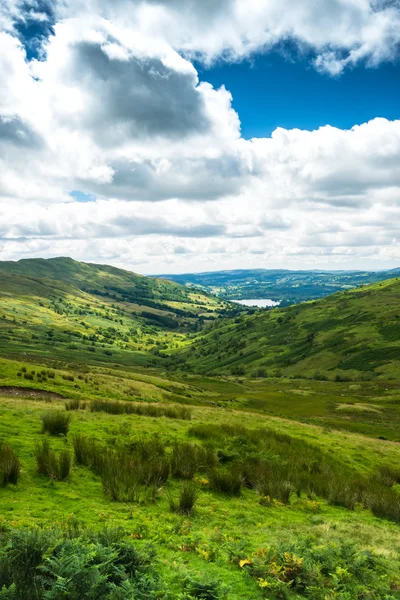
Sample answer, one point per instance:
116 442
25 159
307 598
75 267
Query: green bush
307 569
45 564
56 422
388 475
203 590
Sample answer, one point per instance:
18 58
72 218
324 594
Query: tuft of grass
187 498
56 422
115 407
225 482
184 460
10 465
49 465
388 475
74 404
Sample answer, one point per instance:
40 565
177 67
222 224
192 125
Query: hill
77 311
351 334
280 285
108 281
132 482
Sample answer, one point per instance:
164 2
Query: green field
147 459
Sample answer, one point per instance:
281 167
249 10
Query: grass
187 498
349 336
56 422
148 410
247 486
222 528
10 465
48 464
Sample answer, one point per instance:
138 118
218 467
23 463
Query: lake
260 302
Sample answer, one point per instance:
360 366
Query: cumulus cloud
111 105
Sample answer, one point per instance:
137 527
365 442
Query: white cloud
114 108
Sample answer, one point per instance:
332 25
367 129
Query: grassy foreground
236 541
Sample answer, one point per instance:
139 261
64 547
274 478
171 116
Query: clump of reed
10 466
187 498
116 407
56 422
74 404
51 465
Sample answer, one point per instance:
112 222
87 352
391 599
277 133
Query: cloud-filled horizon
115 148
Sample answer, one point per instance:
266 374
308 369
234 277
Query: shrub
308 569
56 422
203 590
39 565
68 377
10 465
188 496
88 453
119 477
276 489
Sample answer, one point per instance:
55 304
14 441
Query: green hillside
123 476
352 335
279 285
107 281
88 313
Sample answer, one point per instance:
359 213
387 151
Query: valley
237 453
279 285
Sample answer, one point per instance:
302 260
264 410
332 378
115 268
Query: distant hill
111 282
286 287
61 307
350 335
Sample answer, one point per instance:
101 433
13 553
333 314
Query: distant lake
261 303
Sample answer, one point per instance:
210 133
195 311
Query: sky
172 136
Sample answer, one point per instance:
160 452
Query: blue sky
279 90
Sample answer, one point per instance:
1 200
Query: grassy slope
88 313
354 334
114 283
199 546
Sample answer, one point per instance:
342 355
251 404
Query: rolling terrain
89 313
286 287
349 335
201 454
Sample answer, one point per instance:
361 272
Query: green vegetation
350 336
93 314
248 457
286 287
